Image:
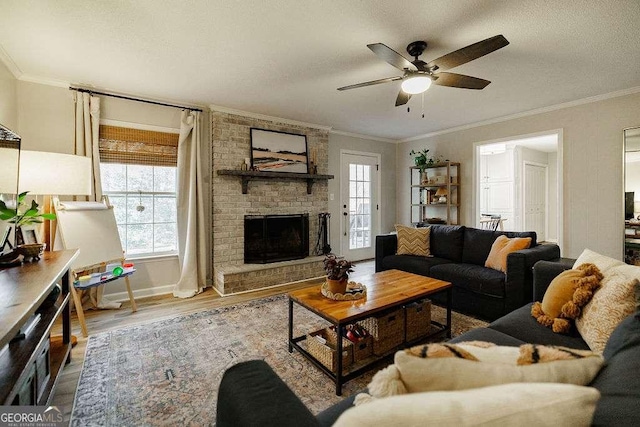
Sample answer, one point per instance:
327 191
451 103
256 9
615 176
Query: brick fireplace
231 145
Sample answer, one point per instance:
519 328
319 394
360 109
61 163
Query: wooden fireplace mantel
247 176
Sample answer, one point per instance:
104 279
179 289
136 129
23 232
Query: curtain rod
95 92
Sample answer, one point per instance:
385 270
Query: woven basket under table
418 319
361 349
327 353
387 330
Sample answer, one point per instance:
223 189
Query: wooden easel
91 227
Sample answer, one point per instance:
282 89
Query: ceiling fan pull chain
423 105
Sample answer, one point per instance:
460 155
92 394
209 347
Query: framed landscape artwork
278 151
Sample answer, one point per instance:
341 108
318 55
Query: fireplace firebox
272 238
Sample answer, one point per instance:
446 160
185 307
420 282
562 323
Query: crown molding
44 81
9 63
269 118
588 100
361 136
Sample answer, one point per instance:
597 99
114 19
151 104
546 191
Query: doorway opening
519 180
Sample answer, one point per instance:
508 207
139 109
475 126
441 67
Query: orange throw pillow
502 247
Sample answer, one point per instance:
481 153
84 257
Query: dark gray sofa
251 394
459 254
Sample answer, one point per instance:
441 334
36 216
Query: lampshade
636 206
416 84
54 174
442 191
8 170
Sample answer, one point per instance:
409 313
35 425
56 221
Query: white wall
592 167
46 123
8 99
388 173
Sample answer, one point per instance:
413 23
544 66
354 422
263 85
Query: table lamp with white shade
53 174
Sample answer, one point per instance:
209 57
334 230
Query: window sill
151 257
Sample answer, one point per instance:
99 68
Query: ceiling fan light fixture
416 84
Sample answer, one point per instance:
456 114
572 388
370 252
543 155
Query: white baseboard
140 293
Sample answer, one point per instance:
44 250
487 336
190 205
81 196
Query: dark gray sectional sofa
459 254
251 393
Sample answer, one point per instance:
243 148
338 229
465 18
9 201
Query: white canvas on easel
90 227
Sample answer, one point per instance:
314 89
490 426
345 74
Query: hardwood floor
152 309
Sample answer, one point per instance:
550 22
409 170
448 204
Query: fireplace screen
272 238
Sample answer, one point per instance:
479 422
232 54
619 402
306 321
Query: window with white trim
139 174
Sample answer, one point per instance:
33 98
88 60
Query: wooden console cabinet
29 367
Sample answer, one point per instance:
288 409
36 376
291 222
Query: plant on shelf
337 270
422 159
21 217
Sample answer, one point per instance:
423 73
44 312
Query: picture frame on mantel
275 151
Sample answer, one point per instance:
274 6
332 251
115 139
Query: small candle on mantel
314 156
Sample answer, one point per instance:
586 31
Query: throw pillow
501 248
615 300
477 364
566 295
413 241
523 404
425 374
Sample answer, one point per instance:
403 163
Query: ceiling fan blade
460 80
389 55
402 98
371 83
469 53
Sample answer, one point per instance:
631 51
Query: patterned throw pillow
413 241
615 300
471 364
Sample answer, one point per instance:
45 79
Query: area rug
168 372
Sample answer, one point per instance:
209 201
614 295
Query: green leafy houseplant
422 160
21 215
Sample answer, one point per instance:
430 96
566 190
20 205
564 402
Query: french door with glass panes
359 205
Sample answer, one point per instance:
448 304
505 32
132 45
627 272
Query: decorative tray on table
354 291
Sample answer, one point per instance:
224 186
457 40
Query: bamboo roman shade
138 147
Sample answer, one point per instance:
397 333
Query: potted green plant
23 215
337 273
422 159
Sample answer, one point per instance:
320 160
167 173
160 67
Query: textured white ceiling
285 58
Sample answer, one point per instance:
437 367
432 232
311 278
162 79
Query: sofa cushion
413 241
520 325
447 241
477 243
618 381
504 405
487 334
412 263
471 277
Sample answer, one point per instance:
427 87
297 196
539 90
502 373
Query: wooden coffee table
386 290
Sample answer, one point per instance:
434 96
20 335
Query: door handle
346 223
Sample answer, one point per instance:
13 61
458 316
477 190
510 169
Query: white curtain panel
86 144
87 136
190 201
